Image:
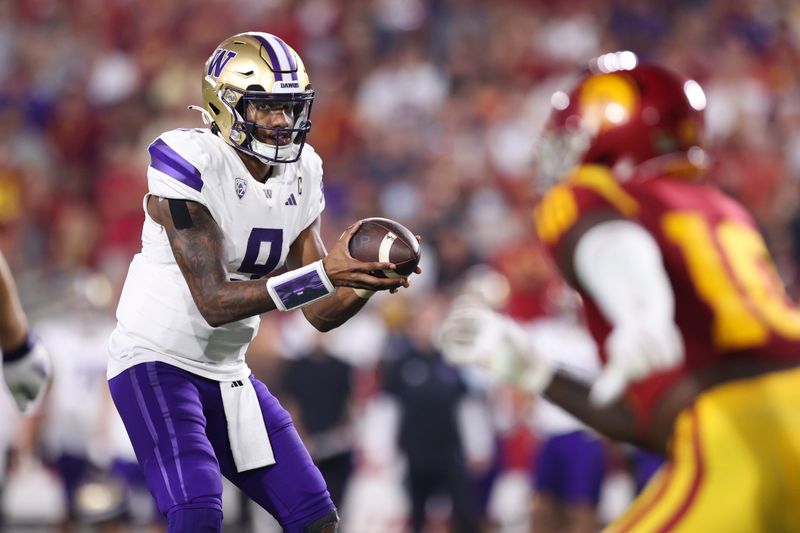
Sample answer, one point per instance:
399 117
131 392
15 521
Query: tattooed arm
199 248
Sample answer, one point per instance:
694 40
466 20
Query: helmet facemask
270 144
557 153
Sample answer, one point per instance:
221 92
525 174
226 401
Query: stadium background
426 112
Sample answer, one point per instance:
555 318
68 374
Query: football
381 239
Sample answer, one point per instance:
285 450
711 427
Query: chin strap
209 121
206 115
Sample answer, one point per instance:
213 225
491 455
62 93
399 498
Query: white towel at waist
247 432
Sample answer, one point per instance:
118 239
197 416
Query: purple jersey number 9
258 236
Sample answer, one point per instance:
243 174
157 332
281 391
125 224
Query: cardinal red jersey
729 299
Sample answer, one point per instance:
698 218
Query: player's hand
473 334
345 271
635 351
27 377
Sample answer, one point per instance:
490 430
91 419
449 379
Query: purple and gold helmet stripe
272 57
289 56
279 54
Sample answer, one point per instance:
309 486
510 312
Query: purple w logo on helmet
218 62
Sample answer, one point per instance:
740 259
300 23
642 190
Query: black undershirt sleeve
180 214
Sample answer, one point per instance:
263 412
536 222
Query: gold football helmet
258 69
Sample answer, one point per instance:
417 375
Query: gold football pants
734 463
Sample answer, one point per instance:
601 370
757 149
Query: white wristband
300 286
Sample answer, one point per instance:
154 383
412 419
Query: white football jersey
77 343
569 347
157 317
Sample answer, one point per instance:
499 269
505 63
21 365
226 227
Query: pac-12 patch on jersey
241 186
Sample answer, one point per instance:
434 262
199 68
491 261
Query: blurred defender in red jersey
699 342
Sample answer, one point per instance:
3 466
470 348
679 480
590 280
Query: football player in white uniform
26 364
227 205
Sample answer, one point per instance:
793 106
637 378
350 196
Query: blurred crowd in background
426 112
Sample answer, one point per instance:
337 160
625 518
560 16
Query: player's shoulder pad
588 189
182 155
311 163
311 170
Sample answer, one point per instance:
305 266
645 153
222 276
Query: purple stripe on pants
151 430
292 490
570 467
162 404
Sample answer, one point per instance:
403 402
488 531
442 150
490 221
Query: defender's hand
635 351
345 271
27 377
475 335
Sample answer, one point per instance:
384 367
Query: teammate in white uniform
226 206
571 459
26 364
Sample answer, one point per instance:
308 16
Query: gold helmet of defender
261 70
